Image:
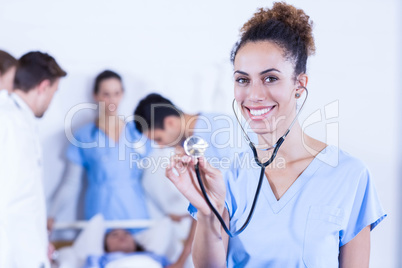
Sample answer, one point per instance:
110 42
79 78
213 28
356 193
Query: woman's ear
302 80
301 84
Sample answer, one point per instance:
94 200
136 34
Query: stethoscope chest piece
195 146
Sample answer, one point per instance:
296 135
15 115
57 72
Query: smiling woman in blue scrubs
103 149
318 206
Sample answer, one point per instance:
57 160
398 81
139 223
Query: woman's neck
111 124
295 146
107 120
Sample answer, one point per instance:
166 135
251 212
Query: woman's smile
259 112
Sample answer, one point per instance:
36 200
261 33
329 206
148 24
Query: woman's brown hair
288 27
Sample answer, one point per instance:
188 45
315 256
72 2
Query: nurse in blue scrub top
318 206
103 149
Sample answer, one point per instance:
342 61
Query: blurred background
181 49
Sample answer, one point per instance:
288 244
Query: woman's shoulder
85 132
330 156
132 129
335 157
339 166
86 128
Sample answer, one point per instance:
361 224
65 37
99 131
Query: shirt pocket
321 237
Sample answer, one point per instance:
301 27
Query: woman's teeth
260 111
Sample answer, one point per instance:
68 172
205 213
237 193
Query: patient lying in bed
121 249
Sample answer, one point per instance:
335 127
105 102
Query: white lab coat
23 235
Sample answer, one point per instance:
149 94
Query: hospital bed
157 238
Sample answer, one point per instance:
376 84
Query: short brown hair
33 68
6 62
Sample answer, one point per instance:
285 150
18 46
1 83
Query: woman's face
265 87
7 79
110 92
120 240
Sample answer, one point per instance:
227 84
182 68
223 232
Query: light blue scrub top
326 207
113 172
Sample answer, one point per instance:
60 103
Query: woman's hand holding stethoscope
181 172
203 186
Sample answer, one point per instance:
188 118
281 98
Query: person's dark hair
152 110
103 76
288 27
33 68
6 62
138 247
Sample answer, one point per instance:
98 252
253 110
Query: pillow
90 240
159 239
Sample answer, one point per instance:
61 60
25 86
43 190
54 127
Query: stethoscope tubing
256 195
218 216
262 165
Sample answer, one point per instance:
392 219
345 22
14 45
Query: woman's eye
242 80
270 79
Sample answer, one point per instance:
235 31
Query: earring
297 95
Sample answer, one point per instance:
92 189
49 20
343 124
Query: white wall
181 49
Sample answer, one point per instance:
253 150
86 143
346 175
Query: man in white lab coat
23 234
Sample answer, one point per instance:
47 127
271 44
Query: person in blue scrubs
317 204
104 149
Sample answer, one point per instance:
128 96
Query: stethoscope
196 146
